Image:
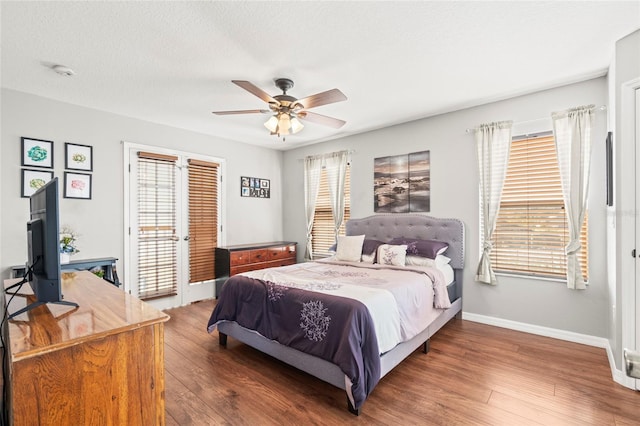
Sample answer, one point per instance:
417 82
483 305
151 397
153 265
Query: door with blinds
174 226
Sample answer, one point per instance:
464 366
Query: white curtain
493 144
572 130
336 169
312 171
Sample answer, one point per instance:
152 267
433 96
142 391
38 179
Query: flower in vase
68 240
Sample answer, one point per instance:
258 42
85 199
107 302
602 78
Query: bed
368 360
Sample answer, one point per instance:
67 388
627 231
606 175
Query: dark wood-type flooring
474 374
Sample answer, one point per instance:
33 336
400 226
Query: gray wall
100 220
454 193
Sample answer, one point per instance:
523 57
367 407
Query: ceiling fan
287 111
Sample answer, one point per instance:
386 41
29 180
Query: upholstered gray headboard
385 227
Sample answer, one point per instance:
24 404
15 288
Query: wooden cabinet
232 260
100 363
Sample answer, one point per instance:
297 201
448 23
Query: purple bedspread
336 329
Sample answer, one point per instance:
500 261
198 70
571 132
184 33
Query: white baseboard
599 342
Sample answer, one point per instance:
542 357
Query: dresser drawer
258 256
281 253
240 257
243 268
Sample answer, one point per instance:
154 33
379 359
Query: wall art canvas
37 153
255 187
77 185
78 157
32 180
402 183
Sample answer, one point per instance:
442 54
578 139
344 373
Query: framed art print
78 157
77 185
32 180
255 187
402 183
37 153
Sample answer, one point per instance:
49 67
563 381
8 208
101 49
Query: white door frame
187 293
627 214
636 311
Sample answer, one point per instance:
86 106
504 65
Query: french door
173 224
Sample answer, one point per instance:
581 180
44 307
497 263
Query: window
203 219
531 229
322 232
157 239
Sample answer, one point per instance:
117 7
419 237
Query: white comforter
402 301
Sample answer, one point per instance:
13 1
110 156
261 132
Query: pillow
423 248
425 261
369 250
371 246
392 254
349 248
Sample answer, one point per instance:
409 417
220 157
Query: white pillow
392 255
425 261
349 248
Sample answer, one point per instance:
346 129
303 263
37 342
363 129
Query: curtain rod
600 108
349 151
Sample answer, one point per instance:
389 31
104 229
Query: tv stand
36 304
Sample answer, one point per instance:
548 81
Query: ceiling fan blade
243 111
252 88
321 119
323 98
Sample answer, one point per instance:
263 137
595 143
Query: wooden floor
474 374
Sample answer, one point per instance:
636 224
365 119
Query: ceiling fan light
296 125
272 124
284 121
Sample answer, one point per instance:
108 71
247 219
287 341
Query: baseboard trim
599 342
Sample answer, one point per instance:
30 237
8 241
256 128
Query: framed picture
402 183
32 180
255 187
77 185
37 153
78 157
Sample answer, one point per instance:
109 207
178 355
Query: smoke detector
62 70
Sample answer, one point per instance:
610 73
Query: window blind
157 239
322 232
531 230
203 219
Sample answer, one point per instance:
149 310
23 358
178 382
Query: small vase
64 258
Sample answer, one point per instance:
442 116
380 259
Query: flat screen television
43 242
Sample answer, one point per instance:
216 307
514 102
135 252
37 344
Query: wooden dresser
232 260
100 363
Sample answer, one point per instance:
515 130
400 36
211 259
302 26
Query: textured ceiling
173 62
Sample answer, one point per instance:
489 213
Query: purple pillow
370 246
422 248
